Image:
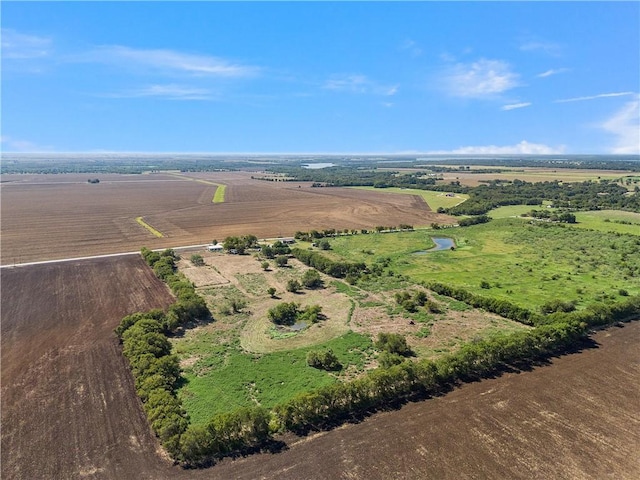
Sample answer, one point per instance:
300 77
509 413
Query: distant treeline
575 196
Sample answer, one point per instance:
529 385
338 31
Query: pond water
442 243
296 327
315 166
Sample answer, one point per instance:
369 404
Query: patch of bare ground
242 276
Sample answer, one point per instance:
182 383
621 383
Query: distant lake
442 243
315 166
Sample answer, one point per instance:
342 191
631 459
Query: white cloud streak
412 47
515 106
594 97
170 61
359 84
552 71
522 148
17 45
624 125
482 79
548 48
168 92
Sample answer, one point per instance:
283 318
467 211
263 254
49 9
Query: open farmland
70 411
58 216
534 174
69 408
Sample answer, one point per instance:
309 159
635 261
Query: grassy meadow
528 264
242 359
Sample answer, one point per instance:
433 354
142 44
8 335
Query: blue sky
324 77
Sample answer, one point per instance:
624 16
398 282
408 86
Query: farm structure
48 217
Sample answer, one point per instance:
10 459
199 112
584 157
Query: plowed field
48 217
69 408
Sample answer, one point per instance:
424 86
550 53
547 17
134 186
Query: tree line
336 269
575 196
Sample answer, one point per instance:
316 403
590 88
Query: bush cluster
288 313
478 219
323 359
503 308
325 265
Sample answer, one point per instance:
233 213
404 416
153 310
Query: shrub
392 343
197 260
311 279
284 313
323 359
293 286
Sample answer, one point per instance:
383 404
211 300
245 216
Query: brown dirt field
60 216
69 408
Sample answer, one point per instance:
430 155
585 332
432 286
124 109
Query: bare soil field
69 408
59 216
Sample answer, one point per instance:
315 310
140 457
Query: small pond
296 327
442 243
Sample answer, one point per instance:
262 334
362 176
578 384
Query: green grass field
224 377
434 199
608 221
526 264
218 197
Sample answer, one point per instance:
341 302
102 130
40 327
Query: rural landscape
191 316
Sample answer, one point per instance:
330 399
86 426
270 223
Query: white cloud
625 126
514 106
21 46
359 84
548 48
412 47
593 97
522 148
10 144
552 71
169 61
170 92
481 79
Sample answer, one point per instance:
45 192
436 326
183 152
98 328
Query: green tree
392 343
197 260
293 286
285 313
271 291
311 279
282 261
265 265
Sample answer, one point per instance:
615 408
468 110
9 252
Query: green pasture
609 221
218 197
524 263
224 377
434 199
